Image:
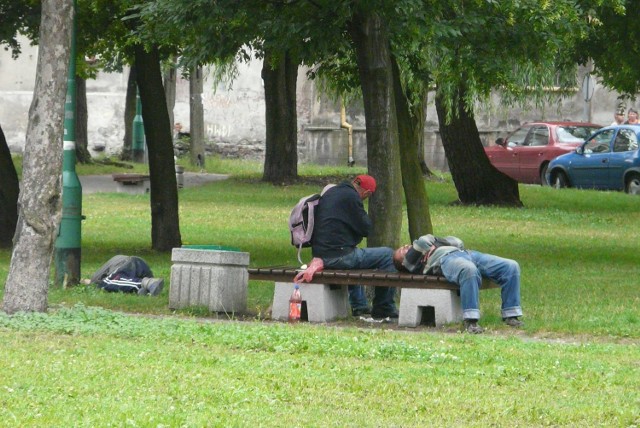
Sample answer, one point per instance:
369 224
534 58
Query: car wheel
559 180
543 175
632 185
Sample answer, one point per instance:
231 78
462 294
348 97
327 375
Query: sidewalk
105 183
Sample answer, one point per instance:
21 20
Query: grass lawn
88 363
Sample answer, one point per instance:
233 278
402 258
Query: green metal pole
137 145
67 254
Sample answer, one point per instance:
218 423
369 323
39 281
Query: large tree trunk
281 154
9 190
411 136
27 284
196 118
476 180
82 117
165 228
383 156
129 115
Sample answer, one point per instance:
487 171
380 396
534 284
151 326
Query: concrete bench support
322 302
416 303
215 279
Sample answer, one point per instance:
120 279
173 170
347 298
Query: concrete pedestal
322 302
414 303
215 279
137 188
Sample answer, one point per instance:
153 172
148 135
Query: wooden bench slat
360 277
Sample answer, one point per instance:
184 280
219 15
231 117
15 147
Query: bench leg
323 302
445 304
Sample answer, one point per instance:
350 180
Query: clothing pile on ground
127 274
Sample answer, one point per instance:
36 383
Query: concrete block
323 302
414 302
211 278
137 188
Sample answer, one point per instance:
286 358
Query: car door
505 157
591 169
624 147
531 154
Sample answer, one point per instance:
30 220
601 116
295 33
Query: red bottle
295 304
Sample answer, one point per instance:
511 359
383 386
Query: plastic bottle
295 304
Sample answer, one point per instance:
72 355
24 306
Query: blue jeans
368 258
466 268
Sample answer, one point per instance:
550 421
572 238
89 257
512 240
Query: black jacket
341 222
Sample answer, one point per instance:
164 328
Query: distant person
177 132
618 117
632 117
447 257
341 223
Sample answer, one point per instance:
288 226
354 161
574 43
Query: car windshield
574 134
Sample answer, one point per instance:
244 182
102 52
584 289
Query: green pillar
137 145
67 254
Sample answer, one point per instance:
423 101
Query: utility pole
67 254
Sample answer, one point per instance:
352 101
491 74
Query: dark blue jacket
341 222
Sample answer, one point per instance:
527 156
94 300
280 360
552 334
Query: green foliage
610 43
18 18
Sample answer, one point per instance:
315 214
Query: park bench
132 183
424 299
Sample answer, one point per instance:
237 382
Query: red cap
367 182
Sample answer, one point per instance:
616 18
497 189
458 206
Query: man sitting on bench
447 257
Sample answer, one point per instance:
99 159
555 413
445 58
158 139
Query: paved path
105 183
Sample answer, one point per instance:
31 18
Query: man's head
632 115
399 255
619 115
365 185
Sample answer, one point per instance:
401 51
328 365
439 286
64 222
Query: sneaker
153 285
356 312
384 314
471 326
513 322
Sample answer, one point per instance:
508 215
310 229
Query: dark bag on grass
122 273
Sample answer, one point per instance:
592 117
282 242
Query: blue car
609 159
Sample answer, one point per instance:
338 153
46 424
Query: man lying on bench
447 257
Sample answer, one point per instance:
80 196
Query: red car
525 154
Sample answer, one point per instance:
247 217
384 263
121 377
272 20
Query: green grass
87 363
92 367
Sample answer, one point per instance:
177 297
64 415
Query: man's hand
306 275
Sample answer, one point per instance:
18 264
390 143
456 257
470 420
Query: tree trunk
281 153
476 180
196 118
129 115
383 155
165 228
169 80
27 284
411 136
9 190
82 117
